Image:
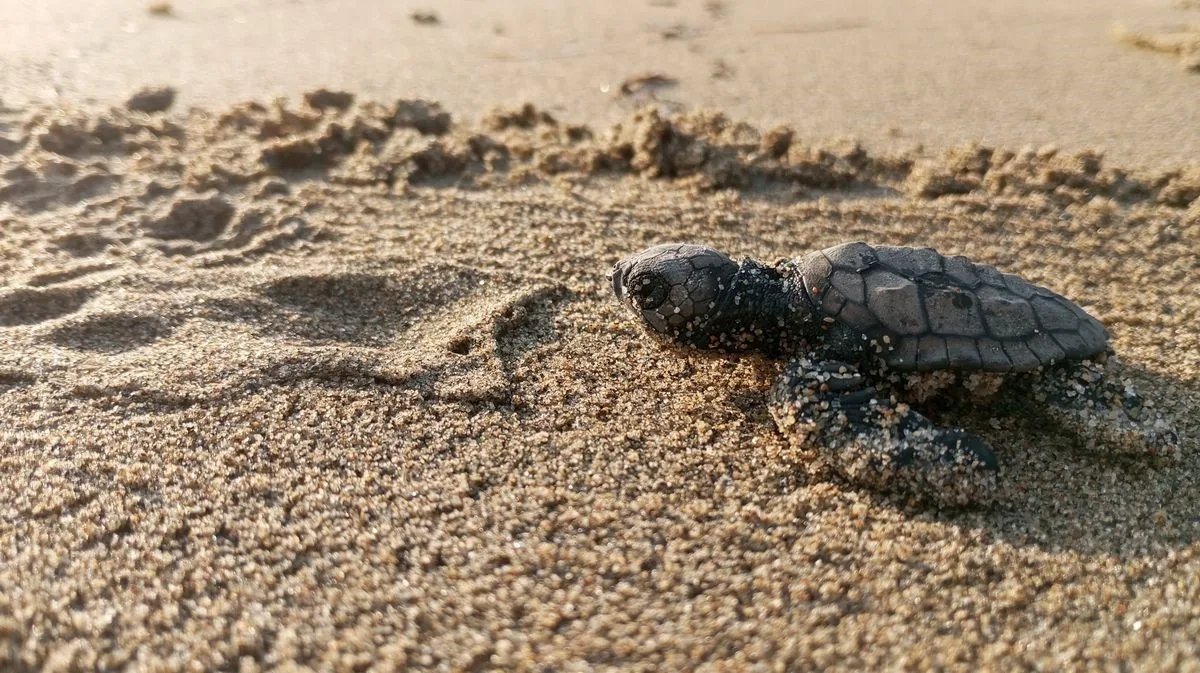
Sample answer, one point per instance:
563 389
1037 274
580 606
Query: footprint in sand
63 185
194 225
367 308
82 244
29 306
57 276
11 379
468 352
197 219
110 333
449 330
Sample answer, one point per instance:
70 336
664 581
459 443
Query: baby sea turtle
869 329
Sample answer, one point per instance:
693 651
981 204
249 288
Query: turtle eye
648 290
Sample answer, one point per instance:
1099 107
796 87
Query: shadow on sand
1059 495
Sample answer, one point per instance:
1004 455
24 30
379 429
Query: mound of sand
341 386
1181 42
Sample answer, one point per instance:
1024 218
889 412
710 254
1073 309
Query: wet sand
340 385
924 72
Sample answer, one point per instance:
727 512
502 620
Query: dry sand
343 388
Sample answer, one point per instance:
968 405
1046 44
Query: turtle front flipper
874 441
1106 412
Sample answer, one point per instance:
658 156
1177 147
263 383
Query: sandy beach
337 383
928 72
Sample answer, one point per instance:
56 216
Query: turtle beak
617 278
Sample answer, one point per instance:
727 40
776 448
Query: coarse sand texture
341 386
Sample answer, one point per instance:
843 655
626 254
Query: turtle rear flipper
873 441
1107 413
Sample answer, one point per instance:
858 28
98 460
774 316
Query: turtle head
677 290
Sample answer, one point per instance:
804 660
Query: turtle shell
920 310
